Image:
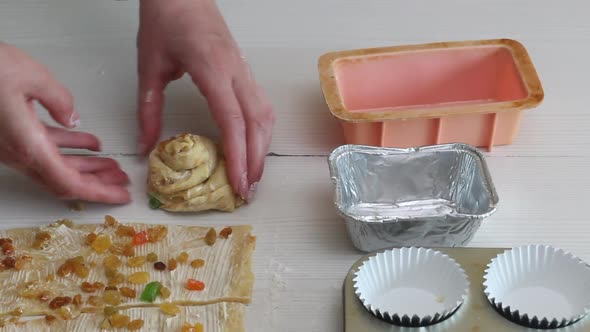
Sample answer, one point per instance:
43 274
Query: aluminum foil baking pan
428 196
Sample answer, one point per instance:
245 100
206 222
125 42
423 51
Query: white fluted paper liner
538 286
411 286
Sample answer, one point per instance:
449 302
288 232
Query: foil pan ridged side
430 196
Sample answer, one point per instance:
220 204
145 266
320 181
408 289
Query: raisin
169 309
152 257
128 292
111 262
118 279
110 310
160 266
211 237
172 264
9 262
123 230
112 297
118 320
87 287
90 238
50 318
110 221
226 232
135 325
40 239
164 292
139 278
8 249
182 257
5 240
82 271
102 243
107 288
95 301
17 312
136 261
77 300
59 302
197 263
65 270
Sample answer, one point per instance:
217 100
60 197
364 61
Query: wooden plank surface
303 252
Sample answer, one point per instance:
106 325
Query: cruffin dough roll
187 173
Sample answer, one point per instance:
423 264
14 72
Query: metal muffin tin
475 315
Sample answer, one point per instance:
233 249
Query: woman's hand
191 36
31 147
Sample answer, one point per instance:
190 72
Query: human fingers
73 139
259 118
227 113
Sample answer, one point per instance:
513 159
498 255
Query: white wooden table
303 252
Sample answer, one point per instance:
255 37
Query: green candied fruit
154 203
151 291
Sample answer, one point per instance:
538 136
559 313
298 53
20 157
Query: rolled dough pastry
187 173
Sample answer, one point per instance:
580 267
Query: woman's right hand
32 147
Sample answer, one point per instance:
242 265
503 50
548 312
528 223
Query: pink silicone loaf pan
471 92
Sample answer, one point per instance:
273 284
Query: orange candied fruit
226 232
110 221
123 230
196 285
198 327
140 238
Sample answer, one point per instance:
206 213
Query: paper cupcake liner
538 286
411 286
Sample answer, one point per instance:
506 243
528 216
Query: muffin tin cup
411 286
538 286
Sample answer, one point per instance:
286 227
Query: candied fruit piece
110 288
197 263
98 285
164 292
196 285
160 266
169 309
90 238
119 320
112 297
140 238
152 257
59 302
123 230
150 292
95 301
50 318
111 262
102 243
211 236
135 325
226 232
139 278
128 292
182 257
136 261
110 221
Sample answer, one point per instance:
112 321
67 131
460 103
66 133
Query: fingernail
74 119
252 191
244 186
